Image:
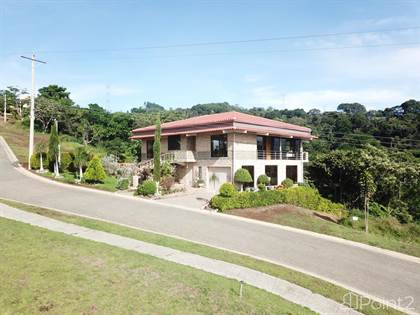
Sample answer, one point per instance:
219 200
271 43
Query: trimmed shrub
227 190
287 183
242 176
147 188
123 184
35 162
263 179
261 187
247 199
95 172
300 196
66 162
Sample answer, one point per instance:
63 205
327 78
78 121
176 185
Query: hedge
247 199
227 190
304 197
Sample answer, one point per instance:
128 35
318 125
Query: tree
156 153
351 108
81 158
242 177
95 172
53 148
41 148
46 111
55 92
153 107
367 190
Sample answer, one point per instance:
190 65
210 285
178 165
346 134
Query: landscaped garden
303 207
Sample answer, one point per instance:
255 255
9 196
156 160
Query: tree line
352 141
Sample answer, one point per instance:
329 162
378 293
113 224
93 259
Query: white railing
273 155
180 156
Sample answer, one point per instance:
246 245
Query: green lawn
384 233
109 184
316 285
17 137
46 272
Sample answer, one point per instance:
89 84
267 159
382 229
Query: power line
358 134
357 142
361 145
229 42
335 138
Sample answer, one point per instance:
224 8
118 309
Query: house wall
245 152
242 151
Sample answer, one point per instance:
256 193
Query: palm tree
81 157
41 148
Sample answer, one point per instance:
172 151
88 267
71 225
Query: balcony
179 156
270 155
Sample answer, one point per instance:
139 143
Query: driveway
196 198
367 271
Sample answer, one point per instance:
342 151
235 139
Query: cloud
328 99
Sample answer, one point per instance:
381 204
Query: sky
120 54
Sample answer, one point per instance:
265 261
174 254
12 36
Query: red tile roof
224 121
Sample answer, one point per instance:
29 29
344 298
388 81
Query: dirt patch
269 213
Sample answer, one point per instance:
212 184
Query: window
174 142
291 145
271 171
219 146
149 149
275 144
275 148
291 172
261 146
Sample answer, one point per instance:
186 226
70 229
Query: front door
291 172
217 177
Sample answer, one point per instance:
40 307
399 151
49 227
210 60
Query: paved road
374 273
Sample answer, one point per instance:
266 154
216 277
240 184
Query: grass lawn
316 285
109 184
384 233
17 137
46 272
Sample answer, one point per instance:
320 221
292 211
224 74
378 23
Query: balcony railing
180 156
272 155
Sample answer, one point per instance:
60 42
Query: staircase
149 163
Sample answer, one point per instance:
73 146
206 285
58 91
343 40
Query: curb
335 239
285 289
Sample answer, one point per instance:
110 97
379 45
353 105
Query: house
213 147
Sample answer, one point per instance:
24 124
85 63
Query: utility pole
32 110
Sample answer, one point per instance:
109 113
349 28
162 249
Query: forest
356 150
